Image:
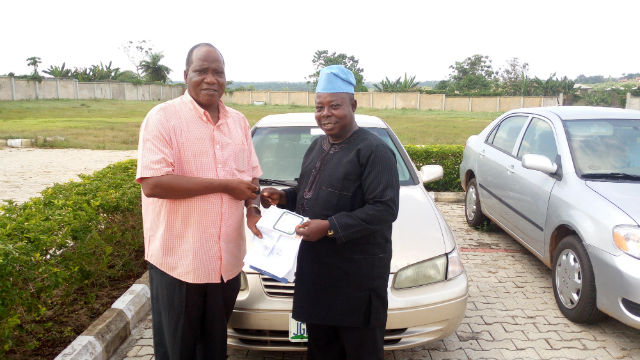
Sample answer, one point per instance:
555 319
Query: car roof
582 112
308 119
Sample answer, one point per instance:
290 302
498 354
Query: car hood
624 195
419 232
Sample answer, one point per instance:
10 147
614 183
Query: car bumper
415 316
618 285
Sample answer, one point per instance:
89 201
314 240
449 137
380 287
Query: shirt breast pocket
337 197
239 156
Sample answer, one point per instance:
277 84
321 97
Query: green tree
405 85
515 79
153 70
58 71
473 74
322 59
128 76
553 86
34 61
96 73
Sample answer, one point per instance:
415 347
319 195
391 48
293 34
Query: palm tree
34 61
58 71
405 85
153 70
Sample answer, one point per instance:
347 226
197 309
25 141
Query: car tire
574 284
472 209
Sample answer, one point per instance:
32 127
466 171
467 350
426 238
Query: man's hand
313 230
272 196
253 215
241 189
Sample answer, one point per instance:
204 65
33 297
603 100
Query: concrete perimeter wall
378 100
633 102
18 89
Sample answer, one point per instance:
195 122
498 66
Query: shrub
448 156
62 249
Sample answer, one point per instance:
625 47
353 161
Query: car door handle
510 169
481 153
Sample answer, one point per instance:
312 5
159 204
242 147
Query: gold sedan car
427 285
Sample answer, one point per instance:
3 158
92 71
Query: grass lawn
114 125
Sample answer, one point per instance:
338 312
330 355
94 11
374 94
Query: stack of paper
275 255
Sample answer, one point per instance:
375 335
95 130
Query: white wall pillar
13 88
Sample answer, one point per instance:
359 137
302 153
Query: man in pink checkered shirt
197 168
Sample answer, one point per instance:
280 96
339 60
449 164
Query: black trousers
328 342
190 320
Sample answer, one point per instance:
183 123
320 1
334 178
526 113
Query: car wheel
574 285
472 210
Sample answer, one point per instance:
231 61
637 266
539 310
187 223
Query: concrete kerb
105 335
18 143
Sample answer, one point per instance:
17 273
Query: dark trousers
343 342
190 320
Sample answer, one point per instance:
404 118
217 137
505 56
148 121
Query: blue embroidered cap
336 79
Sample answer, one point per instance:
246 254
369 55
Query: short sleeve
155 149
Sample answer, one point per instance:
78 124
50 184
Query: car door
495 165
528 190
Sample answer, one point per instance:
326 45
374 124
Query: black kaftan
343 280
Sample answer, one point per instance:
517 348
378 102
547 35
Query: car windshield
281 149
605 149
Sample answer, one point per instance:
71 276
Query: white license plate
297 330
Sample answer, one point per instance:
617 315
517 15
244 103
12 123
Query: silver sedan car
427 288
565 183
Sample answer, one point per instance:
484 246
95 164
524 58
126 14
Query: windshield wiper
611 175
278 182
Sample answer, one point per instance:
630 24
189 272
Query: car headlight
429 271
627 238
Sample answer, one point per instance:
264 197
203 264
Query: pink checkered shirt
198 239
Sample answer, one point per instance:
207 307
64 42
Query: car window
504 136
538 139
280 151
604 147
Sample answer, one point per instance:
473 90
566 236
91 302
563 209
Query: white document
275 255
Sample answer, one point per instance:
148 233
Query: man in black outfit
349 189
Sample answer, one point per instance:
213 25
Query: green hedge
448 156
62 249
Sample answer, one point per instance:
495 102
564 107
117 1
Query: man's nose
210 77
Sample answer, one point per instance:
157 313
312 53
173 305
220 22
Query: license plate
297 330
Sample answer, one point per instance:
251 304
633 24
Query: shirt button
217 146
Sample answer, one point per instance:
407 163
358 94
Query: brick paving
511 312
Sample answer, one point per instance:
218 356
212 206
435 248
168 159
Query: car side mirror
429 173
539 163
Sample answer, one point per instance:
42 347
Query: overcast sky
275 40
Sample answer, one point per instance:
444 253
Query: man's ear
186 72
354 104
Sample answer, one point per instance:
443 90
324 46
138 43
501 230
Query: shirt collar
204 114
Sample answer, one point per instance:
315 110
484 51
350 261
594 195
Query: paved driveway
511 313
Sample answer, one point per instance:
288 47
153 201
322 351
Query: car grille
275 338
276 288
631 307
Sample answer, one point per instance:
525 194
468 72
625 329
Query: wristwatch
253 206
330 233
